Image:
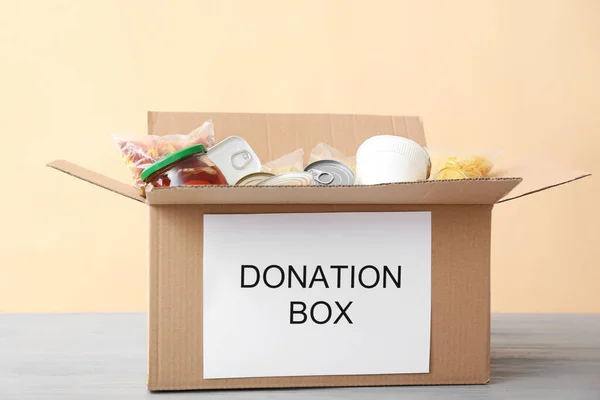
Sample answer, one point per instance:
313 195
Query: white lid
392 144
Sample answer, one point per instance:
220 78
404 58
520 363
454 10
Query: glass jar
186 167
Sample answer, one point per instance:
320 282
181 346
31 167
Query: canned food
289 179
235 158
330 172
254 179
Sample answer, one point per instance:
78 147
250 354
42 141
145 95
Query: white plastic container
235 158
390 159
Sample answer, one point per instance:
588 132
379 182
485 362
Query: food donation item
289 179
141 152
186 167
389 159
330 172
235 158
323 151
465 168
254 179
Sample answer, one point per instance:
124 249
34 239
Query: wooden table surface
103 356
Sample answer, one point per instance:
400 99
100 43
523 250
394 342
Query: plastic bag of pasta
139 152
450 164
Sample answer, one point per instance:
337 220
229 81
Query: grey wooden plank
103 356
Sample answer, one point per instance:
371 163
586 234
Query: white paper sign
316 294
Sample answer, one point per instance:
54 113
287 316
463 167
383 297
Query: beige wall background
518 75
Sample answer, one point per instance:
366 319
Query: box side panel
477 191
153 296
175 313
460 299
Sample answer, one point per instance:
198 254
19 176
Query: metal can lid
330 172
254 179
289 179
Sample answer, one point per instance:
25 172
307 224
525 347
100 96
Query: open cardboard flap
478 191
466 191
273 135
97 179
538 176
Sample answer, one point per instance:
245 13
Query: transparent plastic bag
323 151
139 152
292 162
450 164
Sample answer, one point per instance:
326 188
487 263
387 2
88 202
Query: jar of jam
186 167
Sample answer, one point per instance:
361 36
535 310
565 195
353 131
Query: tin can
254 179
235 158
289 179
330 172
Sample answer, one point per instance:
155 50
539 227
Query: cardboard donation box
315 286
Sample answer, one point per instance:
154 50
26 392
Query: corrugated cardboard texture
480 191
460 337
